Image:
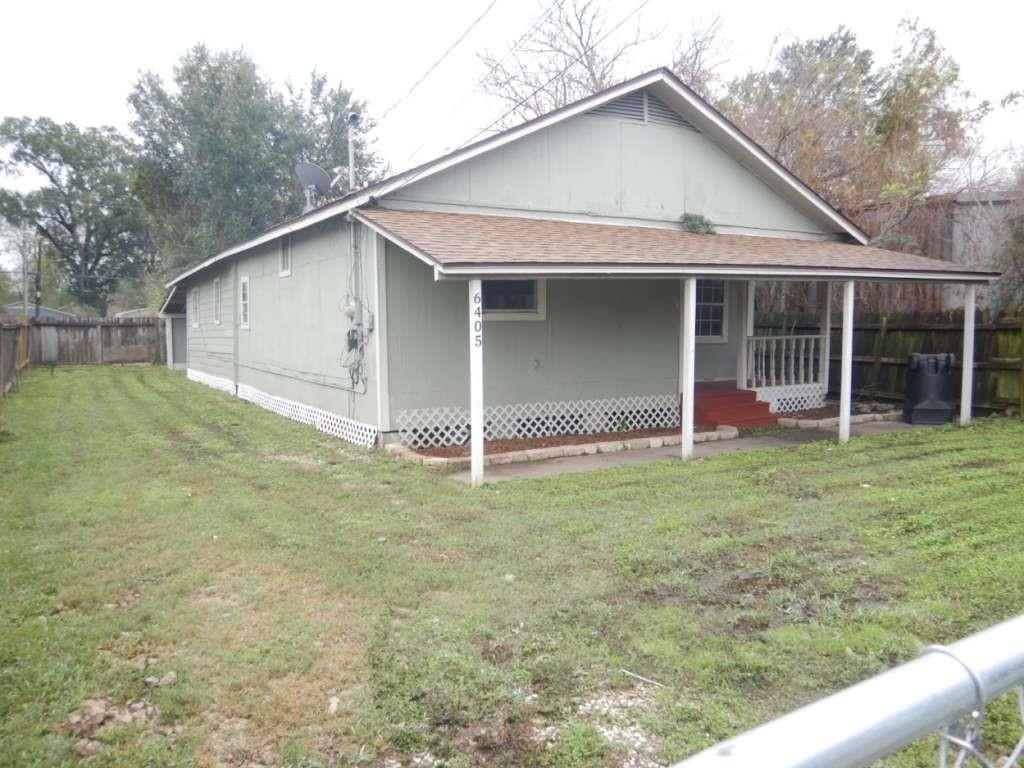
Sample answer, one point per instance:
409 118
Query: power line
515 47
437 63
575 60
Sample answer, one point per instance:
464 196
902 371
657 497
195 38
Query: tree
85 210
567 56
859 133
698 57
319 120
219 146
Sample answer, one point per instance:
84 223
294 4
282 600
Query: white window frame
540 313
195 307
216 301
285 251
244 303
724 337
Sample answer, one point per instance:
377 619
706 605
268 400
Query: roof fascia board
465 272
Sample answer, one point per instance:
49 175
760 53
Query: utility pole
39 275
24 285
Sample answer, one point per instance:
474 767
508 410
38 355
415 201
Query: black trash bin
928 398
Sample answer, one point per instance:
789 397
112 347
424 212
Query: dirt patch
97 716
302 461
507 446
979 464
234 741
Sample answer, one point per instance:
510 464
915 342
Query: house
540 282
970 228
16 309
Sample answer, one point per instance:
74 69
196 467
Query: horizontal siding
211 345
601 338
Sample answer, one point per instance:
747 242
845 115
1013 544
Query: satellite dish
316 182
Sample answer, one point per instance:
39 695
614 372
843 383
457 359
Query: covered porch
768 374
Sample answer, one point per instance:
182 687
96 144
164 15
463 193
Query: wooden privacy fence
880 350
13 354
85 342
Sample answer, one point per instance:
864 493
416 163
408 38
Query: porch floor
571 464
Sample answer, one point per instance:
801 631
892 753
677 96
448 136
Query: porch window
514 299
711 310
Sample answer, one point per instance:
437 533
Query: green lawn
324 605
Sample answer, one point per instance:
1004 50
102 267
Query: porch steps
716 404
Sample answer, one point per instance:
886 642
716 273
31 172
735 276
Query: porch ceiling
463 245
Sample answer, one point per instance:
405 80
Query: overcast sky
77 61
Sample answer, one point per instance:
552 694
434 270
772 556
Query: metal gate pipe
874 718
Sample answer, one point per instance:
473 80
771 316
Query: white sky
77 61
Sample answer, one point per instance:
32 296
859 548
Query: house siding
600 338
295 343
211 345
603 166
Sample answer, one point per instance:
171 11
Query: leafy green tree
218 148
85 210
861 133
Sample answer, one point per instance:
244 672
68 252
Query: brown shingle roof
460 241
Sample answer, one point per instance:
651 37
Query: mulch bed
825 412
507 446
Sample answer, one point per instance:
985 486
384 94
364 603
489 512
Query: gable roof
666 86
471 244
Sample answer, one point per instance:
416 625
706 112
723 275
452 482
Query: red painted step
717 403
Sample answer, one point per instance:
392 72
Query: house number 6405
478 324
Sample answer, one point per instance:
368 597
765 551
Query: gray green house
539 282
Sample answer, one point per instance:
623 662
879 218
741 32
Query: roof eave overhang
749 272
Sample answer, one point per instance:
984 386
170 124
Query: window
216 301
195 307
711 310
285 261
514 299
243 302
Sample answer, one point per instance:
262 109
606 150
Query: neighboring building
538 282
969 229
16 308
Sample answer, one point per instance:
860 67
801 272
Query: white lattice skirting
438 427
350 430
224 385
792 397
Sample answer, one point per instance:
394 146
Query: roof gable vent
641 107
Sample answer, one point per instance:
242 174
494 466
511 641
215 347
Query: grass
151 524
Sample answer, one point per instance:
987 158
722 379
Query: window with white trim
244 302
285 258
711 325
216 301
195 307
514 299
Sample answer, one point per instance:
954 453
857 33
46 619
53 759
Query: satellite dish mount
316 183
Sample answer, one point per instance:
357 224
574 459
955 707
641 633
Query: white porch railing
785 361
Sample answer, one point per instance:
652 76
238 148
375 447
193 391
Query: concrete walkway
570 464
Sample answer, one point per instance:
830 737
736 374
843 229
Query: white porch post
967 372
476 383
741 347
846 385
687 357
825 298
169 341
